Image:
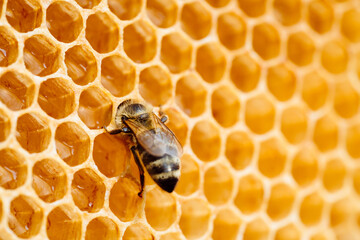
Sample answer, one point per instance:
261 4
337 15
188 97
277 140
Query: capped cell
13 169
281 82
24 15
294 124
280 202
250 195
259 114
190 176
245 72
178 124
300 48
138 231
326 133
272 157
195 20
320 15
8 47
226 225
252 8
334 57
290 231
5 125
350 25
125 9
287 12
163 13
256 229
334 175
311 209
346 100
266 41
88 4
102 228
231 30
239 149
353 140
314 90
304 167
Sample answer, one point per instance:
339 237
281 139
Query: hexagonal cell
350 25
195 20
266 41
245 72
334 175
334 57
281 82
137 231
88 4
305 166
231 30
24 15
288 12
218 3
249 197
124 201
102 228
272 157
88 190
63 223
259 114
257 229
13 169
163 13
16 90
195 217
155 85
218 184
253 8
81 64
140 41
341 212
226 225
5 125
353 140
210 62
26 216
320 15
8 47
56 97
290 231
239 149
117 75
49 180
356 180
314 90
95 108
178 124
346 100
326 133
300 49
41 56
190 176
311 208
125 9
294 124
33 132
281 201
205 140
102 32
225 106
64 21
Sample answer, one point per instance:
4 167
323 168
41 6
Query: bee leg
113 132
141 169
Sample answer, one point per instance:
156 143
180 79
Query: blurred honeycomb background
263 95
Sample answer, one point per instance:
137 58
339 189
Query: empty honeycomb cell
346 100
288 12
117 75
195 20
334 57
314 90
26 216
341 212
281 201
272 157
218 184
231 30
102 32
81 64
205 140
300 48
350 25
178 124
95 108
320 15
125 9
5 125
137 231
288 232
294 124
239 149
8 47
41 56
24 15
190 95
124 201
353 140
64 21
218 3
210 62
311 209
334 175
245 72
140 41
163 13
88 4
49 180
257 229
190 176
56 97
176 52
304 167
102 228
160 209
259 114
13 169
72 143
226 225
16 90
266 41
281 82
225 106
195 217
253 8
63 223
250 194
155 85
33 132
326 133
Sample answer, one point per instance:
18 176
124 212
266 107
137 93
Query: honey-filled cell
195 20
266 41
294 124
138 231
163 13
314 90
300 48
353 140
311 209
326 133
305 167
5 125
350 25
288 232
252 8
13 169
88 4
334 175
239 149
172 236
320 15
356 180
259 114
218 3
190 176
8 47
346 100
334 57
272 157
287 12
250 194
231 30
102 228
245 72
24 15
226 225
177 124
125 9
281 82
257 229
341 212
280 202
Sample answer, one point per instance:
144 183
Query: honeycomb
263 95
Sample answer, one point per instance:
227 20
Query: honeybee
153 144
